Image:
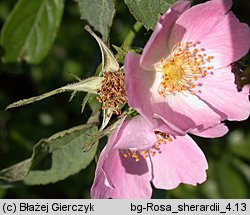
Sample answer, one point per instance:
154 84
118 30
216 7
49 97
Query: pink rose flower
183 76
137 154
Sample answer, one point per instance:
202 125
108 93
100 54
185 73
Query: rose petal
142 92
185 111
119 177
180 161
220 93
214 132
130 179
157 47
138 83
105 153
220 34
228 42
199 21
136 133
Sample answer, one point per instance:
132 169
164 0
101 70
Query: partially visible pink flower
138 154
183 76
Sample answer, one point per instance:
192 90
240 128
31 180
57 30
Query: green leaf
148 11
87 85
243 167
30 30
99 14
231 182
242 150
240 147
16 172
56 157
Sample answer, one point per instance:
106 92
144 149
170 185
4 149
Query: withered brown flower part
112 92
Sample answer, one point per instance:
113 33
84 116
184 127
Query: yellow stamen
182 69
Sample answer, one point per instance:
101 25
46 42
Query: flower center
162 139
112 92
182 68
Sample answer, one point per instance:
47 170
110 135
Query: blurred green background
76 52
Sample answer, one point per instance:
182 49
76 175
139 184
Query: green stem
131 36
